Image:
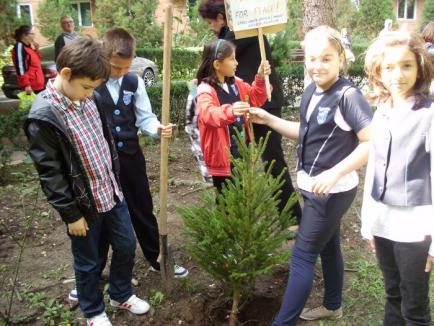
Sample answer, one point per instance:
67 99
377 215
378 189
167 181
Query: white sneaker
133 304
73 295
178 270
99 320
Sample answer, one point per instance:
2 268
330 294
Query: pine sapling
237 235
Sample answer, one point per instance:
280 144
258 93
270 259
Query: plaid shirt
85 129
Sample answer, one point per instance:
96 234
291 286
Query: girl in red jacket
222 101
27 61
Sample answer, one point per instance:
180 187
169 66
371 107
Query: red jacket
214 118
28 65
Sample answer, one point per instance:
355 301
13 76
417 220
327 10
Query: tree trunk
318 12
234 311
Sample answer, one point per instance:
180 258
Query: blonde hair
374 58
334 38
64 18
428 32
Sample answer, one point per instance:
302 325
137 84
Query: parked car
142 67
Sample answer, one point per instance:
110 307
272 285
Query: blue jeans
318 235
117 229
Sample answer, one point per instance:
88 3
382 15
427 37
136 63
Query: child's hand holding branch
240 108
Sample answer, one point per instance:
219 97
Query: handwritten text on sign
250 14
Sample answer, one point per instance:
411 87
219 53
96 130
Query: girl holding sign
248 55
222 101
333 135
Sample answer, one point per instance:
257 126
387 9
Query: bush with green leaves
237 235
196 33
282 43
428 12
136 16
183 64
178 100
49 13
371 17
9 21
292 81
10 137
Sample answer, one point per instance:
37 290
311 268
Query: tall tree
372 14
49 13
346 12
8 20
318 12
137 16
428 12
281 45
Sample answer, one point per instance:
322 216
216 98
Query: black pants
274 151
218 182
135 187
406 283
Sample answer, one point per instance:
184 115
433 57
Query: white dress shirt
146 120
396 223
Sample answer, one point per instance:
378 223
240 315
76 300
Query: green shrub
178 100
10 137
184 62
136 16
292 81
49 12
359 51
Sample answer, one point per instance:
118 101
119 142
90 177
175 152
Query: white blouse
396 223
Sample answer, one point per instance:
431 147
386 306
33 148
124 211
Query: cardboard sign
244 17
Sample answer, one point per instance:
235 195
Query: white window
24 11
84 13
406 9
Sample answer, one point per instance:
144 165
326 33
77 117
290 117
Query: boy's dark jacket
62 175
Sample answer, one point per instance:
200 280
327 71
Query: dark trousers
135 187
318 235
115 227
406 283
274 151
219 181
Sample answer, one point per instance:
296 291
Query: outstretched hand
258 115
240 108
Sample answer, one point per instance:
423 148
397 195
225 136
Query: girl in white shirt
397 211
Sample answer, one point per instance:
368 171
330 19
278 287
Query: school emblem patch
323 112
127 97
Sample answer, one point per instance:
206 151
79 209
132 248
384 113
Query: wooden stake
263 58
166 262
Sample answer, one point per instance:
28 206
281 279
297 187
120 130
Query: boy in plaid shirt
78 166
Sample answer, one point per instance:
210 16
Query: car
142 67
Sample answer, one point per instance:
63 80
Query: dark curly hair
211 8
21 31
